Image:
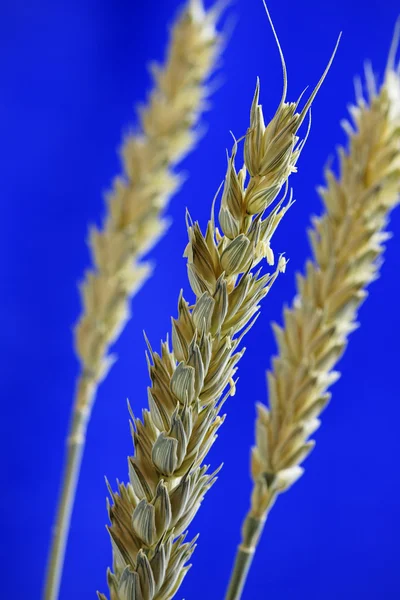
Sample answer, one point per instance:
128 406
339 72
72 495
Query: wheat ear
347 243
191 381
133 223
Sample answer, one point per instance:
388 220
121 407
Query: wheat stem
132 224
74 451
252 531
347 243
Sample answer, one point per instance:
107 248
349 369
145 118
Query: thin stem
75 446
251 533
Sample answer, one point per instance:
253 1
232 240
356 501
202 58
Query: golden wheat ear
134 219
133 223
192 379
347 243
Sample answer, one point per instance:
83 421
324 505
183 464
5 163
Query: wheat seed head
347 243
193 375
134 219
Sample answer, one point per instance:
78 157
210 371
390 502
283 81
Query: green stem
75 446
251 532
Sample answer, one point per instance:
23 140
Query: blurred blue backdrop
71 72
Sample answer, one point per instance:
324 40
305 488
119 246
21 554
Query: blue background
70 74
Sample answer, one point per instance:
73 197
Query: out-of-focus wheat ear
347 243
134 221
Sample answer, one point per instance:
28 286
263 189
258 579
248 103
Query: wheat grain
191 381
347 243
133 223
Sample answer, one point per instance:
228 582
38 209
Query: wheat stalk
133 223
191 381
347 243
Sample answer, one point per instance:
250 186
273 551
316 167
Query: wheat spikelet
191 381
347 243
133 223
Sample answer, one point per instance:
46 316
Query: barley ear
347 245
134 221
